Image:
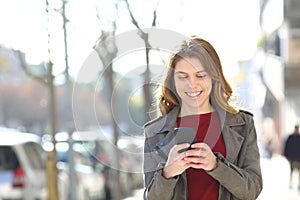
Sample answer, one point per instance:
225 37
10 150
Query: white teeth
193 94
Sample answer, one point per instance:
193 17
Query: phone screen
185 135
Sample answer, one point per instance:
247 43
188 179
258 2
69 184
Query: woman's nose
192 82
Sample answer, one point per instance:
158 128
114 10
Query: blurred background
65 82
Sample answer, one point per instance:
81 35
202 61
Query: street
275 179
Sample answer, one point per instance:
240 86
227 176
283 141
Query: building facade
280 24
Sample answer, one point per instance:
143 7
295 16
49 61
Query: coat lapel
233 140
160 133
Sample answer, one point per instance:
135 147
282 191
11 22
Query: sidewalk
137 195
276 172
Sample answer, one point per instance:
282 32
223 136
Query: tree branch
26 68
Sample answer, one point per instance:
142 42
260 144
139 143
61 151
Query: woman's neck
185 112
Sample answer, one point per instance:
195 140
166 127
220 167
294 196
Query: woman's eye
181 77
201 75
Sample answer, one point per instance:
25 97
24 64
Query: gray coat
239 173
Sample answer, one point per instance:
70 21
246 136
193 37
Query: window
8 159
37 156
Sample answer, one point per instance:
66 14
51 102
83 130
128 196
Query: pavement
137 195
276 173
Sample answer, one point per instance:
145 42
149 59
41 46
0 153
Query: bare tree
47 79
106 49
145 37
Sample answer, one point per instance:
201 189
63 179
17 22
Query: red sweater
202 186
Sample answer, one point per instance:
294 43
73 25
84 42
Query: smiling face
194 80
193 85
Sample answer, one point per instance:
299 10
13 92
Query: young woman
224 162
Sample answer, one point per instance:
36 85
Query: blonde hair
195 47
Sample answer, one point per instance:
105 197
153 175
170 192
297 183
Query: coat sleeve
244 179
156 186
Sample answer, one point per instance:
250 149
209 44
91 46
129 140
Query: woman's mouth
193 94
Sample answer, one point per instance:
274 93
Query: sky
231 26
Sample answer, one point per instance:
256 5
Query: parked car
95 153
22 166
89 183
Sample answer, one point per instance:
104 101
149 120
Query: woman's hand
201 157
176 163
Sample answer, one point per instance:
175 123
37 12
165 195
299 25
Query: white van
22 166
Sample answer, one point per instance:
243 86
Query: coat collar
166 122
229 124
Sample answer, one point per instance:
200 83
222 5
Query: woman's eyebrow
201 71
181 72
